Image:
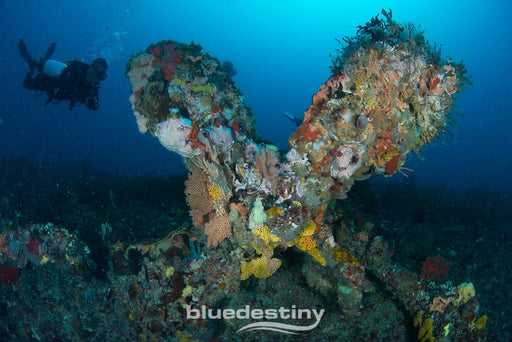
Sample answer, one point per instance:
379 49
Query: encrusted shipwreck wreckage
390 94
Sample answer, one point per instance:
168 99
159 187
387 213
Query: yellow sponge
261 267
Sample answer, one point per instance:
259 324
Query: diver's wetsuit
72 84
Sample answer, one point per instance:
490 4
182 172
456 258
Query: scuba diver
75 81
296 120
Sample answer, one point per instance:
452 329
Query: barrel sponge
173 135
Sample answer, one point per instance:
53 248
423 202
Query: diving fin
32 64
49 52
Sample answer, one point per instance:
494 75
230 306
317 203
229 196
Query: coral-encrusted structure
390 94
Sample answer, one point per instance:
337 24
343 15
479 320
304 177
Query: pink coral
35 245
168 64
267 163
435 267
9 274
34 250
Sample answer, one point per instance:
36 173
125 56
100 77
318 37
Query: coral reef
37 245
390 94
53 301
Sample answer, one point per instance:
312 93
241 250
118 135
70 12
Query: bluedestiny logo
261 314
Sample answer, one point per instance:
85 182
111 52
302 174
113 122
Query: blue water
281 51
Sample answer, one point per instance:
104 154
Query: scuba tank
53 68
